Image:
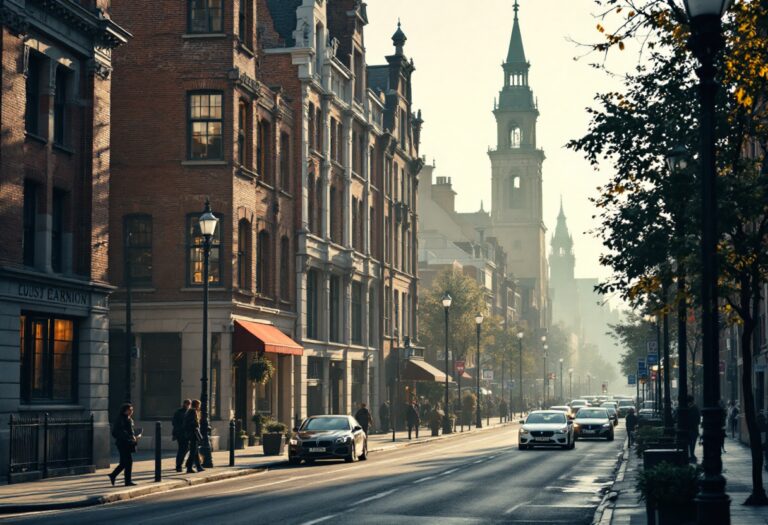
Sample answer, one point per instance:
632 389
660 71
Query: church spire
516 53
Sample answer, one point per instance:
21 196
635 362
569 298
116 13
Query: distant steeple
516 53
562 241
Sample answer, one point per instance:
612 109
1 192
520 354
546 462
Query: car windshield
626 403
544 417
592 413
578 402
326 423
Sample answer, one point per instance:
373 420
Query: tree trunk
749 307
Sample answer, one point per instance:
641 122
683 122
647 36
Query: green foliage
645 437
260 422
276 427
667 485
468 405
261 370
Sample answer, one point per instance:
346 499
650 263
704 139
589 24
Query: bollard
232 443
158 451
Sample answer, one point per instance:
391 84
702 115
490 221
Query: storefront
54 361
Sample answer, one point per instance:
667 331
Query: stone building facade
55 66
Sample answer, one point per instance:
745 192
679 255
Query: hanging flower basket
261 370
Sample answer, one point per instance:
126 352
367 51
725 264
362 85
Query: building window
29 222
195 253
515 137
318 130
60 105
312 313
387 310
335 310
355 221
359 78
285 161
357 313
285 268
48 359
311 222
397 315
312 140
205 16
372 317
138 243
264 151
32 115
244 254
160 374
242 132
358 380
319 204
57 230
205 126
334 212
263 262
245 23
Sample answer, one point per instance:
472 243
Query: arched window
514 192
311 224
264 151
263 263
515 137
318 130
244 254
319 47
242 133
311 124
285 268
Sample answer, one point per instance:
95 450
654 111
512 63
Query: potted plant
273 438
647 437
468 404
241 439
261 370
436 421
259 422
669 490
252 439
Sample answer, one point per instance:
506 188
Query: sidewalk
625 509
94 489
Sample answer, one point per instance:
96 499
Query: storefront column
366 382
326 390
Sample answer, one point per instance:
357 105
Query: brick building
194 121
357 158
55 70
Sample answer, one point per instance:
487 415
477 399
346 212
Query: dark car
612 414
593 422
328 437
624 406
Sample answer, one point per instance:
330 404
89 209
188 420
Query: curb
604 511
171 485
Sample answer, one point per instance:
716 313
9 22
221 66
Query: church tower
565 300
517 181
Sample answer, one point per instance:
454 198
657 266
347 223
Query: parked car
649 404
546 427
612 414
624 406
328 437
646 413
564 408
593 422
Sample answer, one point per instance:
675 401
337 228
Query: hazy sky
458 51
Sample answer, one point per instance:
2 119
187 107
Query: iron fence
50 443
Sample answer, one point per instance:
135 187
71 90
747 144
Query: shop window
205 16
195 253
263 263
48 359
357 313
138 243
312 304
315 368
206 119
29 222
358 381
160 374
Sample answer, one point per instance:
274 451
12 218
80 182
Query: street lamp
478 323
208 223
520 336
546 379
706 43
562 394
447 300
570 383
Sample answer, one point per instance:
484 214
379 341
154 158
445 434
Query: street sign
488 375
653 375
653 359
460 367
631 379
652 347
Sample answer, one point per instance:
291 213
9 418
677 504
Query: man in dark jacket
126 439
364 417
694 418
384 416
192 433
178 433
412 418
631 422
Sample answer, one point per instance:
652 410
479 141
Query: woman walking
192 433
125 440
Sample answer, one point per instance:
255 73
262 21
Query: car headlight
523 431
562 430
606 425
341 440
293 441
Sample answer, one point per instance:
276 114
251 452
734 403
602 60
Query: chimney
443 194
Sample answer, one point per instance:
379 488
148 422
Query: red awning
259 337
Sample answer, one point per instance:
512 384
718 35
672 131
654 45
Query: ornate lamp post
478 323
447 300
706 43
208 223
570 383
546 378
562 392
520 336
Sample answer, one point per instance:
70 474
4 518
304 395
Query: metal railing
48 443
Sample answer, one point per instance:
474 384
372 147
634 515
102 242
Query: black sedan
328 437
593 422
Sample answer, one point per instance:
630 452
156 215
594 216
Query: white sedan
546 427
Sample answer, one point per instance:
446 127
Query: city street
477 478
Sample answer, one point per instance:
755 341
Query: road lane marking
448 472
478 461
373 498
320 520
424 479
513 509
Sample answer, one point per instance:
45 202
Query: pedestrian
125 440
177 434
384 416
412 417
631 422
733 418
192 433
723 422
694 418
364 417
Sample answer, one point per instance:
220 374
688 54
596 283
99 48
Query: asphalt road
476 478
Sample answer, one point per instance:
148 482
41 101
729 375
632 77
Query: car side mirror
295 429
357 428
522 421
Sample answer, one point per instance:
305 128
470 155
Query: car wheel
352 454
364 455
610 436
522 447
310 461
294 460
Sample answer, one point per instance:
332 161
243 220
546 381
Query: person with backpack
126 441
177 434
364 417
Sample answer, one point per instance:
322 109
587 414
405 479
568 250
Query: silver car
546 427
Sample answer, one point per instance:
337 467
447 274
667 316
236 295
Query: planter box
241 442
274 444
435 431
677 515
